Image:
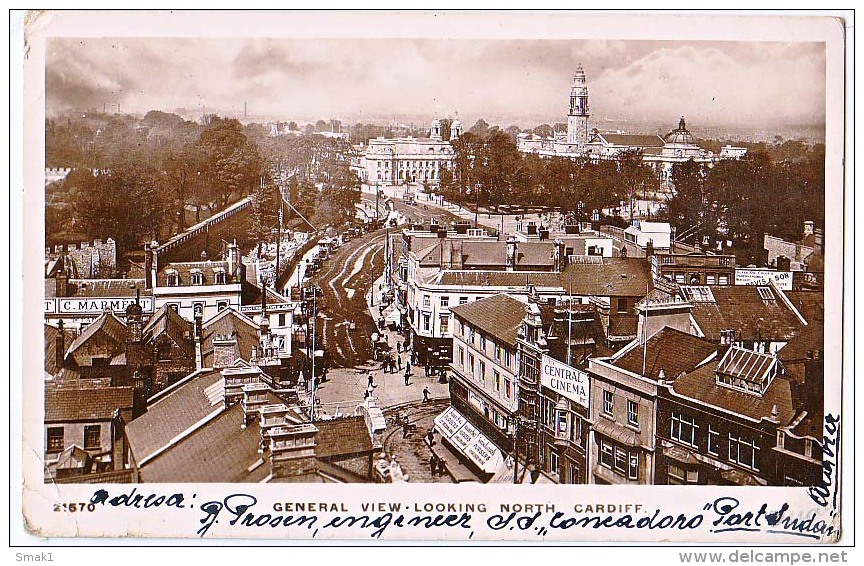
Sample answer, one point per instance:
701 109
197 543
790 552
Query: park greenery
142 179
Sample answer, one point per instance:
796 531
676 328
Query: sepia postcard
385 276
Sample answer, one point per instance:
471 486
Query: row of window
632 408
502 354
742 451
196 278
56 438
622 461
445 301
710 278
501 383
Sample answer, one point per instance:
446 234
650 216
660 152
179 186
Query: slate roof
479 254
81 288
220 451
701 385
250 294
107 323
811 304
184 270
742 309
51 333
498 316
497 279
343 436
610 277
166 320
68 404
668 349
171 414
224 323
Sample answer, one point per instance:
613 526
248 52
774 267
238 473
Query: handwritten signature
825 493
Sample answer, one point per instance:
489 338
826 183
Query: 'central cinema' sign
568 381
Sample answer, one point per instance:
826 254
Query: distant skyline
716 85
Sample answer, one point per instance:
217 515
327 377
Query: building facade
401 161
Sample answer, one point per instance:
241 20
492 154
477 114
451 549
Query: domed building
578 141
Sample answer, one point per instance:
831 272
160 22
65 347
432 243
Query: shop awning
466 438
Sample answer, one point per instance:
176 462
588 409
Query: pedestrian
425 370
425 394
433 464
399 361
442 466
407 375
430 437
371 380
405 428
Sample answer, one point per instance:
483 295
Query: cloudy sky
526 82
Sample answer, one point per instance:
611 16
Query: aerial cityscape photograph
434 260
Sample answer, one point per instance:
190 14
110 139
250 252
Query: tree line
136 180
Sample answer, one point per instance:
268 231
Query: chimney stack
292 450
60 345
254 399
809 228
511 253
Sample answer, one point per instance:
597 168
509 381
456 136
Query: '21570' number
74 507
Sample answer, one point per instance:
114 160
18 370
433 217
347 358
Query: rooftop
68 404
176 410
106 323
669 350
750 311
701 385
499 316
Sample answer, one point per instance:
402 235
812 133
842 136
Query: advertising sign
783 279
95 305
568 381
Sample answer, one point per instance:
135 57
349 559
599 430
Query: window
508 387
282 319
481 371
711 279
576 430
463 300
713 441
632 413
426 301
561 422
507 357
461 328
445 301
606 454
163 350
174 307
197 278
496 380
574 476
471 336
219 277
445 323
607 403
683 429
680 476
92 437
461 356
622 306
743 452
723 279
55 439
471 362
553 462
222 305
498 352
633 471
173 279
482 341
426 319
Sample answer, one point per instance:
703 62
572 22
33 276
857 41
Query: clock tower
577 117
